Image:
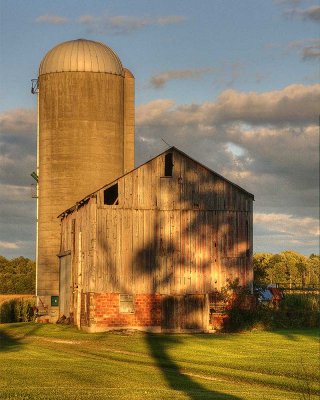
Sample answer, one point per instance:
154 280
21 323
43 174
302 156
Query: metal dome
81 55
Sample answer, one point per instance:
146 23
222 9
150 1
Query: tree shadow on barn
175 247
159 345
158 255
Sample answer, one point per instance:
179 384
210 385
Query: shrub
299 310
17 310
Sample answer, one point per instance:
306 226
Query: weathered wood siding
185 234
78 234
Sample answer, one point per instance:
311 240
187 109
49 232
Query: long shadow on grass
296 334
9 342
172 372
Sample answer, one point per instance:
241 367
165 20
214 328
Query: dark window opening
111 195
168 164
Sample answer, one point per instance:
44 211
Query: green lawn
58 362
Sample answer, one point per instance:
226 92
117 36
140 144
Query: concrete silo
85 139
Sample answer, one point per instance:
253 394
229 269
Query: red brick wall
104 310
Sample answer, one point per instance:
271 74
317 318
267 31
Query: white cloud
288 153
309 48
119 24
285 231
153 110
14 192
17 146
19 120
52 19
288 224
311 52
9 245
161 79
311 13
266 142
286 2
86 19
170 19
17 220
276 131
124 24
293 105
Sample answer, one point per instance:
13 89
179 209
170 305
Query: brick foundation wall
103 311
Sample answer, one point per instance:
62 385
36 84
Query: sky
234 84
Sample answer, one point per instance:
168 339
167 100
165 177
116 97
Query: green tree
313 270
261 264
286 268
17 275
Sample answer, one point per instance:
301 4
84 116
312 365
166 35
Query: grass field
7 297
58 362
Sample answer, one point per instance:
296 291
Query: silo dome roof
81 55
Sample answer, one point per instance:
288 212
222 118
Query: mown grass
58 362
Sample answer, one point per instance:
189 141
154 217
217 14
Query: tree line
17 276
288 268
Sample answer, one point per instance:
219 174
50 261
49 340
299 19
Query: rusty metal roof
81 55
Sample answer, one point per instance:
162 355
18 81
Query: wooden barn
146 250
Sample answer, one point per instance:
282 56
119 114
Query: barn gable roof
171 149
211 171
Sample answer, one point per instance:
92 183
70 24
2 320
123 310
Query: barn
148 249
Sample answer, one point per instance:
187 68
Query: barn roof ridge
86 198
210 170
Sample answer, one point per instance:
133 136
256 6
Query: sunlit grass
58 362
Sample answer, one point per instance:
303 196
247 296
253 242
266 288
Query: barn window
111 195
168 164
126 304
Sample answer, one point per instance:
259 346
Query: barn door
188 312
170 313
65 284
195 312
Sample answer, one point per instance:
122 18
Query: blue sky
232 83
